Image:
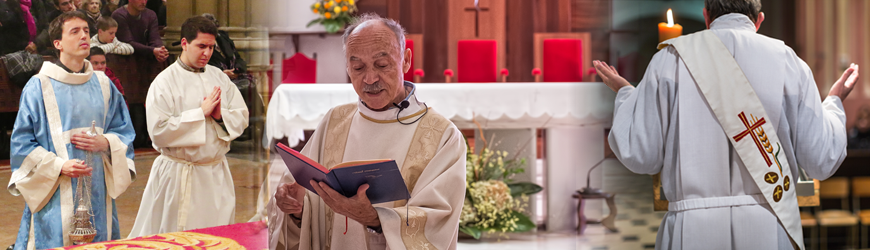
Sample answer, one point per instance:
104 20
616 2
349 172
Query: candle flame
670 18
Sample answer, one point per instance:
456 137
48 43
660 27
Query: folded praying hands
211 104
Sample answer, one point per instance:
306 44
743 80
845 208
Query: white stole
738 109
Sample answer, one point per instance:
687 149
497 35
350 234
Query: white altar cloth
297 107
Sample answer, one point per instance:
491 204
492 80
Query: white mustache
373 88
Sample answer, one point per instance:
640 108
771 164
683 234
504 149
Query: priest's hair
397 29
55 28
717 8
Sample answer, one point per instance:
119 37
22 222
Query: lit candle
669 30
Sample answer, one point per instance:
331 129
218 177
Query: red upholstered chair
299 69
410 45
448 75
418 75
592 73
536 72
476 61
563 60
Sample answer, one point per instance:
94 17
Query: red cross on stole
748 131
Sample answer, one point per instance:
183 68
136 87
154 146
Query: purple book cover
384 178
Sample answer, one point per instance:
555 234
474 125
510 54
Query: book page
358 163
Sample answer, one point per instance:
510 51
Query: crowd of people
24 23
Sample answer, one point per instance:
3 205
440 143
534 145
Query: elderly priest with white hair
388 122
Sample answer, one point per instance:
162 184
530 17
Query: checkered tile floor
636 221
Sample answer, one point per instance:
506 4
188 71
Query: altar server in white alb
727 116
388 122
193 111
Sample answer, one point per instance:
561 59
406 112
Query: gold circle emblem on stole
771 177
777 193
786 183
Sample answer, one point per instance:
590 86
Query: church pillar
177 11
237 13
569 159
208 6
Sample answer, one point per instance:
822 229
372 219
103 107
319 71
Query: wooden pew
9 93
135 73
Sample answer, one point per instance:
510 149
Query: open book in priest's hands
385 181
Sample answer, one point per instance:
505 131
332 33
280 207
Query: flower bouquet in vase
494 202
334 14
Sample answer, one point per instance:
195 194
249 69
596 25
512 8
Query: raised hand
610 76
846 83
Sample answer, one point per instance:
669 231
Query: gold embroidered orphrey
755 131
424 143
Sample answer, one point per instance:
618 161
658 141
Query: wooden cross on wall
477 9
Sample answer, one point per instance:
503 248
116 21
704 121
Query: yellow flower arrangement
334 14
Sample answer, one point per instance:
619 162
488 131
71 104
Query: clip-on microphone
404 104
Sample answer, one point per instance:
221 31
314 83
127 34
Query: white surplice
190 185
664 125
437 196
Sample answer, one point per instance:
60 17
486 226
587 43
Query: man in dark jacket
227 58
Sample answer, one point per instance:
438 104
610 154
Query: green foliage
524 188
473 231
493 201
524 224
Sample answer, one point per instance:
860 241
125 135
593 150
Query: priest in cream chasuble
668 125
388 122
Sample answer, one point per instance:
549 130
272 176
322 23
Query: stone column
571 153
